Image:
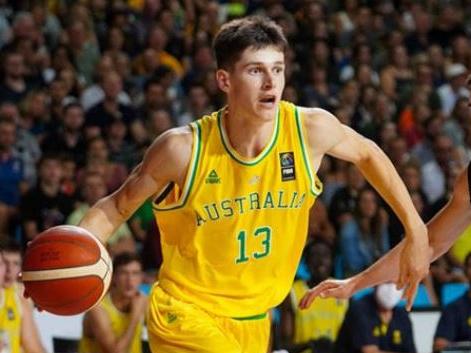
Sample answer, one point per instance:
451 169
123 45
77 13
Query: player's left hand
330 288
414 264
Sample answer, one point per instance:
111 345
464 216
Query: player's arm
165 161
29 335
327 136
443 229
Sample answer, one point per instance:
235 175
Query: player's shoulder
172 143
316 119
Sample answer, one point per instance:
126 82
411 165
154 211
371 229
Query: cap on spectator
455 70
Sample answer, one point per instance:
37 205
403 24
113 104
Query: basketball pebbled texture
66 270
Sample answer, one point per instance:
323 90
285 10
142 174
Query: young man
115 325
443 230
304 330
18 330
232 193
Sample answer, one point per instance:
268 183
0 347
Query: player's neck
248 136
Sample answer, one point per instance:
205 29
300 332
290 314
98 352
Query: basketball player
443 230
232 194
18 332
115 325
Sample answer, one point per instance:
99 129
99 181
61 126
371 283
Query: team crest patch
287 166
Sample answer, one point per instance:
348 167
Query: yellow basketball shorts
176 326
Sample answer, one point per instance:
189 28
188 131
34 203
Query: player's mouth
268 101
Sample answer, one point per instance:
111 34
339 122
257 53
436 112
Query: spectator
115 325
26 144
45 205
93 188
12 177
454 321
84 49
302 329
454 88
19 331
13 259
14 87
375 323
68 139
94 93
434 172
98 161
344 201
364 237
110 108
198 105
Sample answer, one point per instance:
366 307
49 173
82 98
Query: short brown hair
237 35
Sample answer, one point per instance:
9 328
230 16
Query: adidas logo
213 178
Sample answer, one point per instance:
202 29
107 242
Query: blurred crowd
87 85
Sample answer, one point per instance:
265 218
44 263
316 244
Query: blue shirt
11 173
455 321
362 326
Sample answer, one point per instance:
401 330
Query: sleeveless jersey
119 323
10 321
322 319
233 237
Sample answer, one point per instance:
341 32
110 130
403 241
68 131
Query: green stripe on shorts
254 317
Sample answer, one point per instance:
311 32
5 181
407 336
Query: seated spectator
98 161
319 224
345 199
19 331
26 143
364 237
68 139
45 205
115 325
11 175
110 108
454 324
301 329
94 188
375 323
14 86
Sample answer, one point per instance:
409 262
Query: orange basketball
66 270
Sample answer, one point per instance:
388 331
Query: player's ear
222 79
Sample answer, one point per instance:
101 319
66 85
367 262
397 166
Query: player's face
127 279
255 84
13 266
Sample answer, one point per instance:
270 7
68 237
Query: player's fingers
402 280
313 293
410 293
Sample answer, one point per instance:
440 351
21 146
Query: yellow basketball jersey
322 319
233 237
10 321
119 323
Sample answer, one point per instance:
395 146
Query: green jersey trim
316 185
236 156
190 179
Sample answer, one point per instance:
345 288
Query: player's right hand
139 304
330 288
